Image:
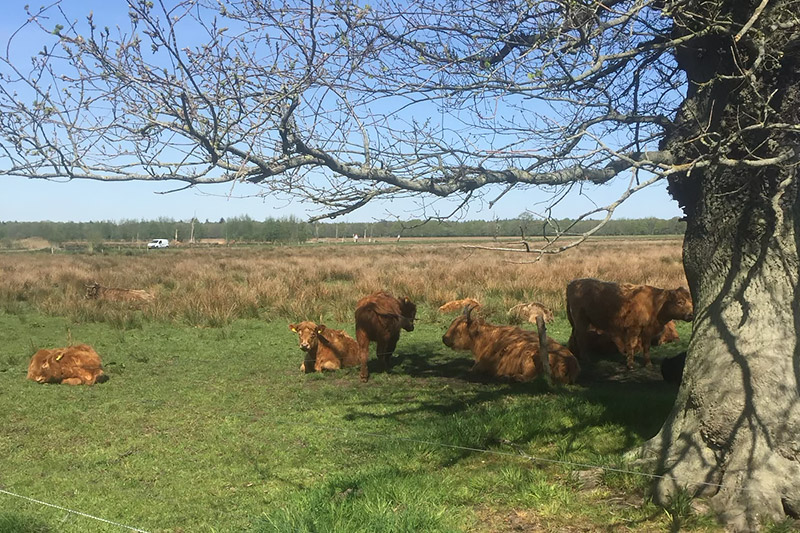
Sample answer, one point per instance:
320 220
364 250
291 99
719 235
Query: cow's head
459 335
92 290
307 333
408 310
678 305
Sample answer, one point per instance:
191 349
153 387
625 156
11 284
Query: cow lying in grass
95 291
325 348
73 365
528 312
631 315
508 351
458 305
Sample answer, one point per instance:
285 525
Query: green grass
215 429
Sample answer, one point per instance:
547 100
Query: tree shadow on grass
476 412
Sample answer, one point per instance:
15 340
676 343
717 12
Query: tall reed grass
212 287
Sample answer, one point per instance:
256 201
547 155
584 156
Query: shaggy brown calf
73 365
458 305
530 311
379 318
325 348
96 291
508 351
631 315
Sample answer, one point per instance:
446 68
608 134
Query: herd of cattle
606 317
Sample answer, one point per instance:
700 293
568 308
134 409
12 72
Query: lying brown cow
508 351
458 305
379 318
73 365
631 315
325 348
96 291
530 311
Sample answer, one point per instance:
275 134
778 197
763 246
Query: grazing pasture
206 423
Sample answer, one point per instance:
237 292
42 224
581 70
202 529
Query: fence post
544 357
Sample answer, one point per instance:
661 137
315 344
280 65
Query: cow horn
468 311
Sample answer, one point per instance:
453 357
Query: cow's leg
578 343
530 369
646 352
87 377
330 365
481 367
572 344
72 381
631 345
363 352
385 351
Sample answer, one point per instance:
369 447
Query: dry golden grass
214 286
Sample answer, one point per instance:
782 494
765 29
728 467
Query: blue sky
30 200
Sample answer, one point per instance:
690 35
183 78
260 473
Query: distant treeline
292 229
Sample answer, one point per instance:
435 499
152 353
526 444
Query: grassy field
207 425
213 286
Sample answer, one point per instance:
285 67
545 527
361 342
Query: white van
158 243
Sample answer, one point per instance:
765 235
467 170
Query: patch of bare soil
505 521
512 521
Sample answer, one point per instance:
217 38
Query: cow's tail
569 312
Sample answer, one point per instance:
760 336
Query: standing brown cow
379 318
508 351
631 315
73 365
325 348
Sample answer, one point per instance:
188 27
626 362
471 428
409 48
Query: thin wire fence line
86 515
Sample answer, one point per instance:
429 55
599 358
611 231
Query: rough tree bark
735 427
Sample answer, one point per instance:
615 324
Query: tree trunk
734 433
735 422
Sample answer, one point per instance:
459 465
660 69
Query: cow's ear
293 327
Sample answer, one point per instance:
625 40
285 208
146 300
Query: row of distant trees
292 229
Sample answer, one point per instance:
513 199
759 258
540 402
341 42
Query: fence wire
72 511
